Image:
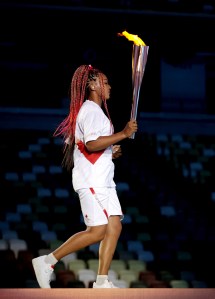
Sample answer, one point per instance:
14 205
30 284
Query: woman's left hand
117 151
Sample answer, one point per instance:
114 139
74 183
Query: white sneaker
106 285
43 271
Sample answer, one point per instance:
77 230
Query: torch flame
135 38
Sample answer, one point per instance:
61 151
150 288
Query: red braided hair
78 93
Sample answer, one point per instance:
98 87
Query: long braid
67 126
105 102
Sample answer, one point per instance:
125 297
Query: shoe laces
49 271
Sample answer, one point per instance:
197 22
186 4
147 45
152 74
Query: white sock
50 259
101 279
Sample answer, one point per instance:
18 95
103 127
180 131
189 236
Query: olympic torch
139 59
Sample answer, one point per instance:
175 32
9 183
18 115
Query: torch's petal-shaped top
132 37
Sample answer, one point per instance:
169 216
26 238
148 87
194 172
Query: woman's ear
92 87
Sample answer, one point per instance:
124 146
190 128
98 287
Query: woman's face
102 87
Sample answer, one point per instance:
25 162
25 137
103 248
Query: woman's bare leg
81 240
108 244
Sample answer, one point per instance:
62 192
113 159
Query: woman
90 146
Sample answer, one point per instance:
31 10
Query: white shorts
98 204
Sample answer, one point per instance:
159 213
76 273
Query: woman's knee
119 227
115 224
98 232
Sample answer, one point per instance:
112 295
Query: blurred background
165 178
